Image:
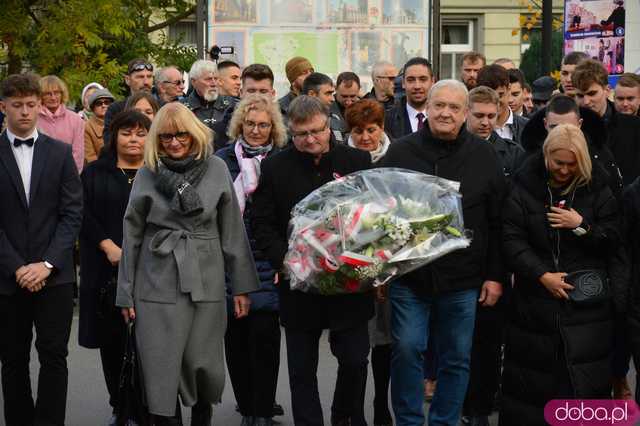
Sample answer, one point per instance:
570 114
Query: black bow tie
17 142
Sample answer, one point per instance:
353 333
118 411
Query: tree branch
172 20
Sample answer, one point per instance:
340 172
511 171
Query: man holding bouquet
286 178
446 292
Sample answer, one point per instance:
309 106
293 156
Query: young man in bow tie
40 219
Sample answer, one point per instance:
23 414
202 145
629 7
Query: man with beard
139 77
472 62
410 113
297 70
383 76
204 101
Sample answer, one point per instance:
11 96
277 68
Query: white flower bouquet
361 230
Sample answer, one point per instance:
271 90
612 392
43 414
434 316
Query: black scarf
177 180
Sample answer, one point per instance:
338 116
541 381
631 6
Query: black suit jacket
396 121
46 228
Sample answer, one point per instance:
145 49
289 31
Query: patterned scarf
177 180
249 158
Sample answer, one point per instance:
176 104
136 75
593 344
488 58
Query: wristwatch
48 265
581 229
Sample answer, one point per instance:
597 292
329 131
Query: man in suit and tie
40 219
410 113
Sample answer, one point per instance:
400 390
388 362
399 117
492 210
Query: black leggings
381 367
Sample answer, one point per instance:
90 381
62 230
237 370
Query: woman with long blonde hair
560 233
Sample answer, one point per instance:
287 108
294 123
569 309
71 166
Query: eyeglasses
386 77
261 126
102 102
140 66
179 136
52 93
315 133
175 83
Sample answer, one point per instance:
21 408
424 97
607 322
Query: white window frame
457 48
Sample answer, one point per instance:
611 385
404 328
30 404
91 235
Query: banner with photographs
335 35
597 27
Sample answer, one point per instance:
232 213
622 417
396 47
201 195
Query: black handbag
130 408
591 286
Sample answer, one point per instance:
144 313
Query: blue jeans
453 328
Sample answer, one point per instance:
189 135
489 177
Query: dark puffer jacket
595 133
555 348
266 298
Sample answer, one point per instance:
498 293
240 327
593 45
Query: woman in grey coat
182 231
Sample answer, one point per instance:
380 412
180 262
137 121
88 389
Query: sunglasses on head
141 66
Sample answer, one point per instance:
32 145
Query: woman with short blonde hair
183 233
177 118
57 121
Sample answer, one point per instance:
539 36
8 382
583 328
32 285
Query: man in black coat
562 109
383 76
409 114
286 178
453 285
39 222
205 102
590 78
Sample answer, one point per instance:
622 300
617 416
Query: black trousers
113 333
351 348
252 350
50 310
486 361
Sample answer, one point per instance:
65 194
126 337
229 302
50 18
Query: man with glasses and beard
205 101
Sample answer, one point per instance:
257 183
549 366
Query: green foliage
531 64
89 40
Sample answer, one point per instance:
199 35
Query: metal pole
436 32
547 28
201 10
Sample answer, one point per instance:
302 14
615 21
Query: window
457 39
184 32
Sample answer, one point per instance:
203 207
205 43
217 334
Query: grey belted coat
172 271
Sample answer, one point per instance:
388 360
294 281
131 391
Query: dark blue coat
266 298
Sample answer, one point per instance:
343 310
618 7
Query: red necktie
420 117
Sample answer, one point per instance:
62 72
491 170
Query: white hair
450 84
379 66
202 66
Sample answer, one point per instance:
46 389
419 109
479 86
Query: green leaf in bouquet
453 231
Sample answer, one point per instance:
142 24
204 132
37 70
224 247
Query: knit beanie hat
296 67
100 94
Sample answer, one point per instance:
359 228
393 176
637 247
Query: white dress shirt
413 119
24 158
505 131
